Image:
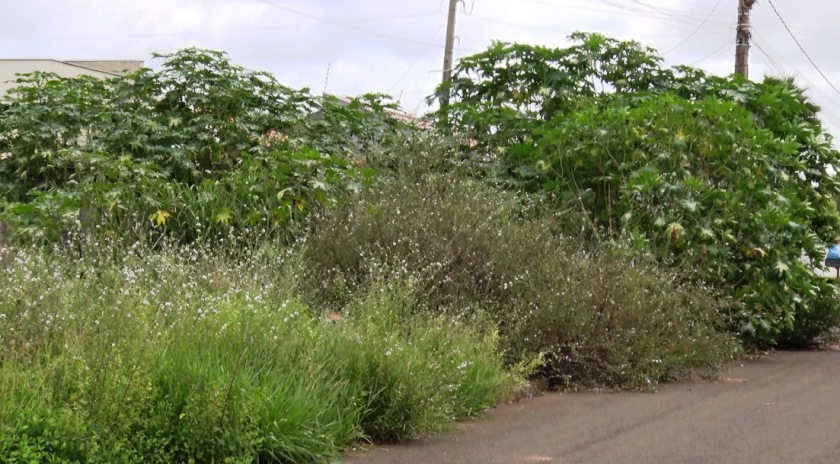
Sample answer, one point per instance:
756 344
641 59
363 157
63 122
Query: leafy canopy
197 147
729 180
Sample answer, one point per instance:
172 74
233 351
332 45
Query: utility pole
450 41
327 78
742 38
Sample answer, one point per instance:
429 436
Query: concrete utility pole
742 38
450 40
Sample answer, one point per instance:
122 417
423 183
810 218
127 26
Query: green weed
183 355
603 316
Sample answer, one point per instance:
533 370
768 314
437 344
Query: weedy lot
181 355
200 264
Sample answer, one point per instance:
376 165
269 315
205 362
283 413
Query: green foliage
423 294
809 328
728 180
407 395
184 354
497 97
606 317
645 214
210 144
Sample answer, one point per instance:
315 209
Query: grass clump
185 355
599 316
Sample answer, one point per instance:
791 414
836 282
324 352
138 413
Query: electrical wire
758 41
784 23
225 31
611 8
695 31
417 59
771 62
347 26
538 27
637 8
711 55
670 12
658 11
829 115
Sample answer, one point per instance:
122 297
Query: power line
663 12
345 25
757 41
225 31
773 63
533 27
712 54
638 8
784 23
417 59
828 114
693 33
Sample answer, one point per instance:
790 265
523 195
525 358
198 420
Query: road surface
781 409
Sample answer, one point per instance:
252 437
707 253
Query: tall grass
186 355
600 315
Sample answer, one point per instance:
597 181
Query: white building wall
10 68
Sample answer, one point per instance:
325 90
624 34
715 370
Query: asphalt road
781 409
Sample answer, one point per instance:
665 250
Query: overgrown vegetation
200 146
185 354
725 180
201 264
604 317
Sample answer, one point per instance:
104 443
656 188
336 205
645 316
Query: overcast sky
396 46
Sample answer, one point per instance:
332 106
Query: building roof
396 114
111 67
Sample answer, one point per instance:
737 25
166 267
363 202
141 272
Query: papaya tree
197 146
730 181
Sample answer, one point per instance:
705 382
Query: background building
10 68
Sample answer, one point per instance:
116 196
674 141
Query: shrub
727 179
729 212
210 144
813 324
420 371
184 355
470 248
